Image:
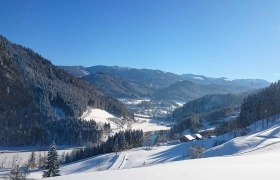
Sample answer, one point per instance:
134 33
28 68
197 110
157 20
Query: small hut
198 137
186 138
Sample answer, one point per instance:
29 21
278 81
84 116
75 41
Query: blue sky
231 38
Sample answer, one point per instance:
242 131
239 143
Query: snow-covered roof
189 137
198 136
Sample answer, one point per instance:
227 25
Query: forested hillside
209 108
261 105
187 91
208 104
35 93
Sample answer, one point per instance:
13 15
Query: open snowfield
134 158
99 163
255 156
267 140
147 124
133 101
23 153
99 116
144 122
253 167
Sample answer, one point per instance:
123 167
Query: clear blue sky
231 38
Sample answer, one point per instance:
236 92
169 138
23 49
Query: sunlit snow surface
255 156
143 122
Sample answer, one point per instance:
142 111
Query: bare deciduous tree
196 151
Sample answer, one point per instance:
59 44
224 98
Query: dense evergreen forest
208 108
120 141
40 102
261 105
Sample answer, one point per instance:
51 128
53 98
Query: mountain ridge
160 85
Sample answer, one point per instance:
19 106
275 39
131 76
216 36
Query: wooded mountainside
35 93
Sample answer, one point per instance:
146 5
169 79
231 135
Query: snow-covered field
253 167
143 122
97 114
134 101
267 140
102 117
147 124
255 156
22 154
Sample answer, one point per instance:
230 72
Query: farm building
186 138
198 137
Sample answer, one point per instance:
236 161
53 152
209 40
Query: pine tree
122 141
52 167
116 146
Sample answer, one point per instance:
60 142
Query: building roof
189 137
198 136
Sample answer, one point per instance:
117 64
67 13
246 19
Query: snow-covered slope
98 163
97 114
255 156
134 158
102 116
266 140
144 123
257 167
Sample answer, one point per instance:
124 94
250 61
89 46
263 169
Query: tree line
120 141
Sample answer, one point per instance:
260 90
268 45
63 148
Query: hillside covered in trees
35 94
208 104
209 108
261 105
187 91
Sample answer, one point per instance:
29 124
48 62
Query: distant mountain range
117 87
251 83
123 82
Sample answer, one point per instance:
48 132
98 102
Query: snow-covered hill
263 141
143 122
102 116
257 167
255 156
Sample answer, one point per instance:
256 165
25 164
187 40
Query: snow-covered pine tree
52 167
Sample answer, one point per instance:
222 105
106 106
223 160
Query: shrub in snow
196 151
17 172
32 161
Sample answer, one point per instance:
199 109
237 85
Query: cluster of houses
187 138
